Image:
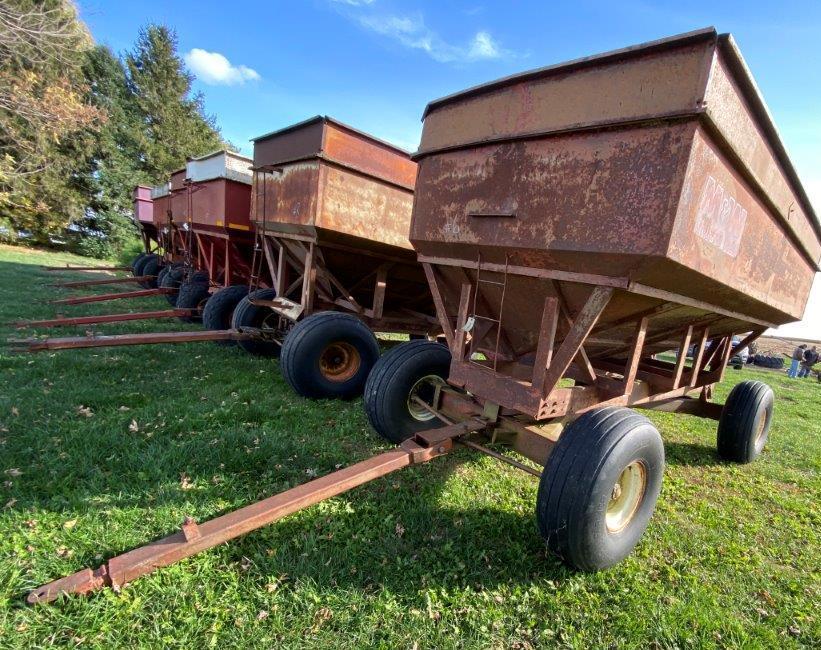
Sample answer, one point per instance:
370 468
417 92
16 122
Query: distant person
797 358
809 360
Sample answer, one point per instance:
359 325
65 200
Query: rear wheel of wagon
192 295
138 269
172 279
409 373
220 309
329 355
745 422
136 261
599 487
151 266
258 317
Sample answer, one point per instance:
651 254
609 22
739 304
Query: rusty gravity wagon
331 209
197 233
573 222
331 264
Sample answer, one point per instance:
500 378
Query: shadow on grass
690 454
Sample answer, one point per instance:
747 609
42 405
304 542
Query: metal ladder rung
498 284
487 318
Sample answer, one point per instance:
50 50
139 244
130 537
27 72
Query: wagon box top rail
329 139
219 164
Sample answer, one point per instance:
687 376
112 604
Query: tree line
80 126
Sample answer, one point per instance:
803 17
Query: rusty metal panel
362 207
589 202
303 140
287 196
624 86
178 179
162 204
143 204
364 153
726 233
729 96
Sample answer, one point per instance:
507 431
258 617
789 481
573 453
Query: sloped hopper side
321 178
653 170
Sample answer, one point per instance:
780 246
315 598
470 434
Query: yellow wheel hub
626 497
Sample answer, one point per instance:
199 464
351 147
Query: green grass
438 556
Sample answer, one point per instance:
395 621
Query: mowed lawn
104 450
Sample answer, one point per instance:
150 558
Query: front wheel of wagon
599 487
148 265
745 422
405 376
220 309
250 316
151 267
329 355
194 296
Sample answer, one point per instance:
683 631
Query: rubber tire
303 347
200 277
248 315
219 310
737 427
577 483
151 266
390 382
137 269
136 261
161 275
192 295
173 280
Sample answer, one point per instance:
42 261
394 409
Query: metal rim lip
626 497
762 428
418 391
339 361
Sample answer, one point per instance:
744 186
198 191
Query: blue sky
375 63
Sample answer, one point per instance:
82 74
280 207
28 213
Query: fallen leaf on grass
62 551
123 409
262 615
14 411
133 427
10 503
185 482
71 523
85 411
14 471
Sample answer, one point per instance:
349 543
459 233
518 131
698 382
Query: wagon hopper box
331 207
572 222
213 203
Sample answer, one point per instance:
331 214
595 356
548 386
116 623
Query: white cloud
213 68
412 32
354 3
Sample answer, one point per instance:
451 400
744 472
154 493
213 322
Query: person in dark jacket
809 360
797 358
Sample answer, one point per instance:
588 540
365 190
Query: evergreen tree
173 124
111 167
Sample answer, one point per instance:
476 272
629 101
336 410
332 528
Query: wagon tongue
77 583
193 537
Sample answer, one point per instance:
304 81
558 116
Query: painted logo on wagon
720 219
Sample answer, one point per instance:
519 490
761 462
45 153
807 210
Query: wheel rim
626 496
762 429
423 390
339 361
